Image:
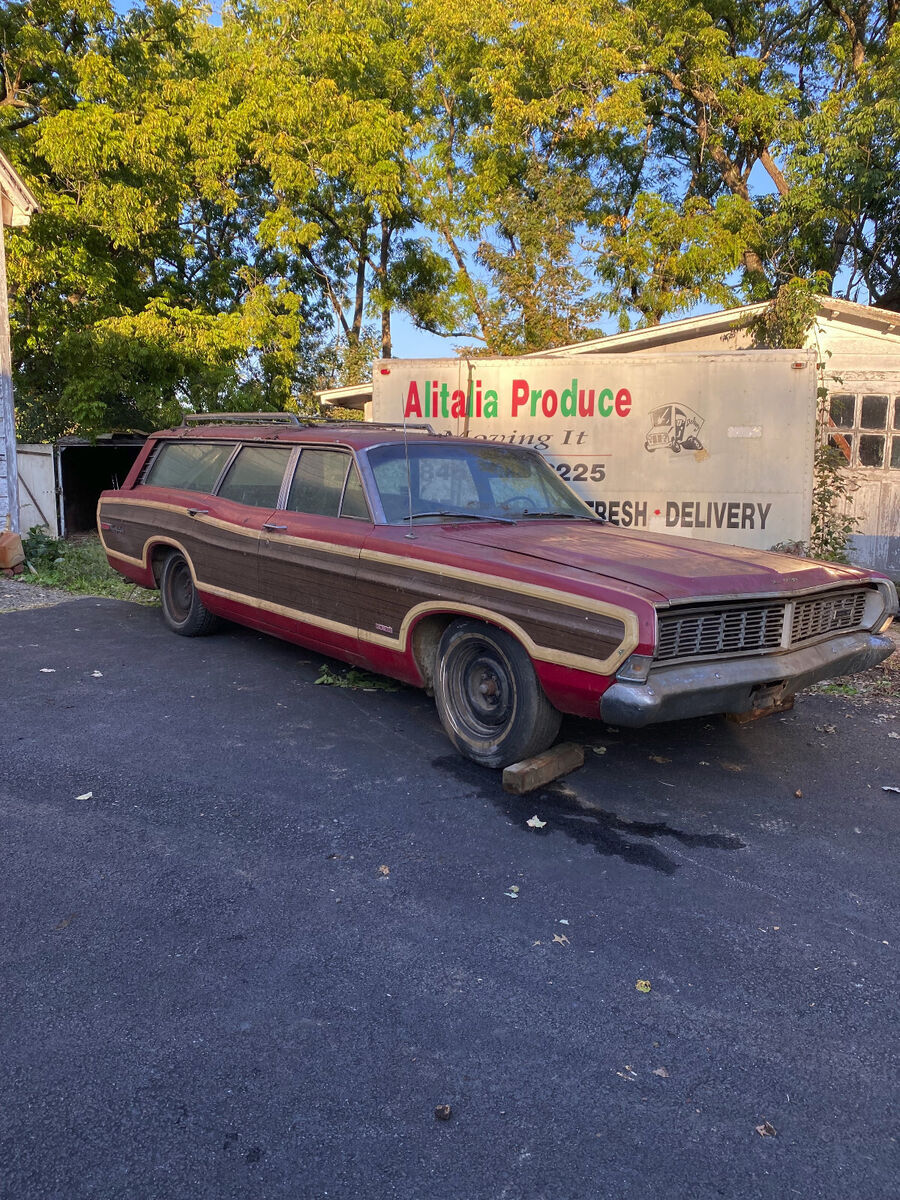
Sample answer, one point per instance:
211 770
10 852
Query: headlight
636 668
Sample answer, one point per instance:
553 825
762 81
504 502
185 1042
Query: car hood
675 568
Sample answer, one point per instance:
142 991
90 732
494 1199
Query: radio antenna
409 532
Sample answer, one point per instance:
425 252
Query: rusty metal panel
714 446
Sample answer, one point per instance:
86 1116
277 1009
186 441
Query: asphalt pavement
254 930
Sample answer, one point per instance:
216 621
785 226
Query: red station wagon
470 568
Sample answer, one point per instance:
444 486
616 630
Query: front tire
182 609
489 698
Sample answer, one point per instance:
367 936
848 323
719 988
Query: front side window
318 486
255 476
189 466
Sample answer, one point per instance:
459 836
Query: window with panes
865 428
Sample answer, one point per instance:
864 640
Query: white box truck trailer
716 446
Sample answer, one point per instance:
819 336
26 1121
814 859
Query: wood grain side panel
385 594
378 594
316 584
221 556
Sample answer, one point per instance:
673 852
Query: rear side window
189 466
255 476
318 483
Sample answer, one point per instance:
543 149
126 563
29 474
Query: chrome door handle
196 512
266 525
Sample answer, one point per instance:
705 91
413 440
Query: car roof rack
418 427
289 418
247 418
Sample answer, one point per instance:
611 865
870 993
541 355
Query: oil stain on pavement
563 811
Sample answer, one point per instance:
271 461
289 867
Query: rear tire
182 609
489 698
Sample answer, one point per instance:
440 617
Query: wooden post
9 478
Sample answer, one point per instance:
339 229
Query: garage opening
61 484
84 471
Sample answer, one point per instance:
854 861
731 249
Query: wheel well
158 555
427 634
426 637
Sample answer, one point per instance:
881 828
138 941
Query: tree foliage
232 212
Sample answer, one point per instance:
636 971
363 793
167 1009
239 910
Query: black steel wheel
183 610
488 696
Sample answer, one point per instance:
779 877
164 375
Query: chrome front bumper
738 684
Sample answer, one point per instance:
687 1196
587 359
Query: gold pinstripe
541 653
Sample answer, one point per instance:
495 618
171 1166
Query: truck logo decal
673 427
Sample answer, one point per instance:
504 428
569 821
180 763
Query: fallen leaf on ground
798 794
512 892
383 870
661 1072
642 985
731 766
599 749
660 758
766 1129
535 822
85 796
443 1112
66 921
894 735
563 921
562 939
96 674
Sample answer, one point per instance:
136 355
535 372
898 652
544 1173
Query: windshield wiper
465 516
558 512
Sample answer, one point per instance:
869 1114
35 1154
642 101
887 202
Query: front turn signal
635 669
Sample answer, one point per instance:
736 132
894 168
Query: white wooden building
860 346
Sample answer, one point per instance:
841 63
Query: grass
77 566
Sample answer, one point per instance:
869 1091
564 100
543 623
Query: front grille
725 629
718 630
824 614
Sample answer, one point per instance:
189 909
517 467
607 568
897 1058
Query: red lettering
549 403
623 402
519 394
458 402
586 407
413 403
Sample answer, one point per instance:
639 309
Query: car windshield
473 481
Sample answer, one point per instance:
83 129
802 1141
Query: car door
232 521
309 552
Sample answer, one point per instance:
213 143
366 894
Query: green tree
143 287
